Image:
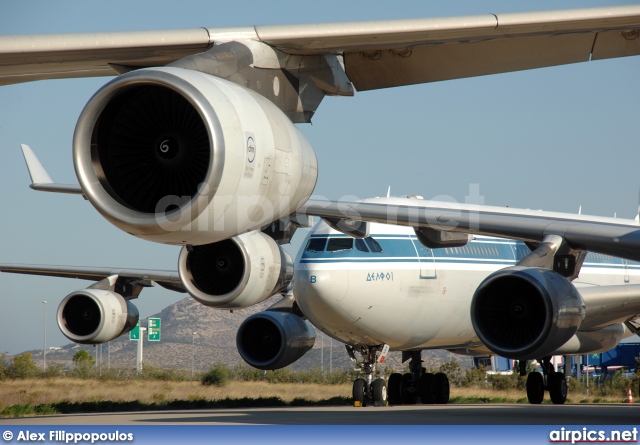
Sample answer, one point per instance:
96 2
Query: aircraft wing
609 236
377 54
165 278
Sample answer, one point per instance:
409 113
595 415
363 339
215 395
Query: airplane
193 144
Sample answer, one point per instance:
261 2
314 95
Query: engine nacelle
526 313
181 157
237 272
590 342
272 340
94 316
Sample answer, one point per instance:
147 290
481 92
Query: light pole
322 356
44 350
193 354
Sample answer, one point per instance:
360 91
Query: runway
480 414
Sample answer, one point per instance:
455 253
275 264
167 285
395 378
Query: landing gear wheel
441 388
394 389
380 393
535 388
360 392
426 388
557 388
409 393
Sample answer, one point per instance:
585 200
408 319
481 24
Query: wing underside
377 54
167 279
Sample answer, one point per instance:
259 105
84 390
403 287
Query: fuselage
390 289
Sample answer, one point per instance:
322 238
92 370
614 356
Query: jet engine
236 272
273 339
182 157
526 313
94 316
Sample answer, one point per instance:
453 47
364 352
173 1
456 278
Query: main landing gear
368 389
417 384
556 384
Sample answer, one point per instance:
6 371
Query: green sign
154 329
134 334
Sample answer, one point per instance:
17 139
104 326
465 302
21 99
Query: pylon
629 396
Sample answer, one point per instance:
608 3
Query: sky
553 139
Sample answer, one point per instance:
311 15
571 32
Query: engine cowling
181 157
94 316
599 340
526 313
272 340
237 272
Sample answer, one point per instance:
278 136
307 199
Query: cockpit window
339 244
316 245
361 246
373 245
336 244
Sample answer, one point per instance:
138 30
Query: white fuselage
395 291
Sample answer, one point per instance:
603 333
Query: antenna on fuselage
389 195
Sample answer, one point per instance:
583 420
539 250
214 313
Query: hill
214 342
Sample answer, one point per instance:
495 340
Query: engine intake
182 157
526 313
272 340
94 316
151 143
237 272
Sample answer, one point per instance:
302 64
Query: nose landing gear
368 389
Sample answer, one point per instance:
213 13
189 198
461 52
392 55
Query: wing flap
407 66
616 44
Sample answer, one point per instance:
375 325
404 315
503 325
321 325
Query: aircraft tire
426 388
380 395
441 388
360 392
557 388
535 388
394 389
409 393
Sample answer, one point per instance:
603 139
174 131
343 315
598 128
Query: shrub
218 376
152 372
4 369
574 386
54 370
475 377
23 367
84 363
499 381
453 371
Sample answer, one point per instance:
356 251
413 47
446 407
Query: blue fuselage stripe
405 249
